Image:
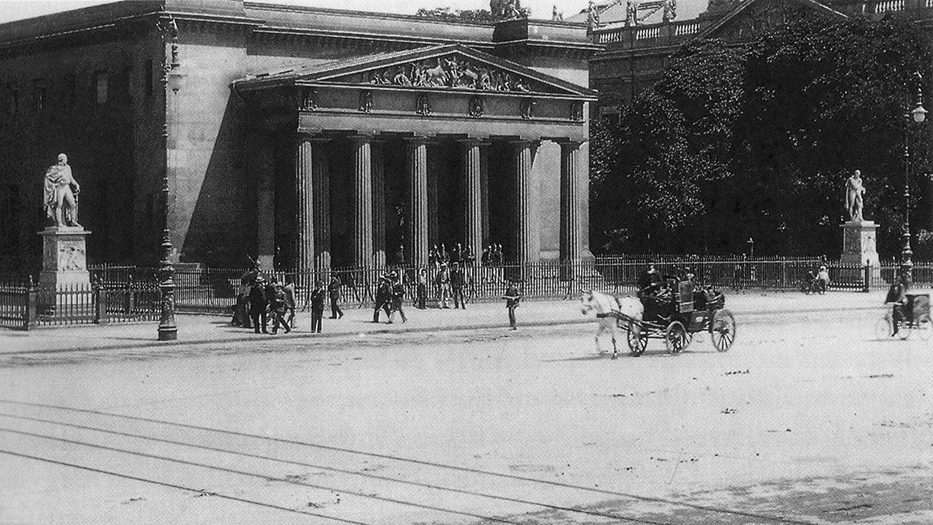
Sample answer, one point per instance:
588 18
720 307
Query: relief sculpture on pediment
452 71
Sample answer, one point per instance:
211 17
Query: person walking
512 297
422 289
257 305
278 306
456 284
383 297
290 303
317 306
333 289
398 297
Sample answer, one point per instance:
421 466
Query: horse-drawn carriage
673 311
676 313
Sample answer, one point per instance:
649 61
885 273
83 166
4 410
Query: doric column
379 204
303 254
473 194
569 202
484 189
418 202
320 195
569 207
523 158
433 223
363 201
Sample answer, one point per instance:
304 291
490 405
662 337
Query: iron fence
130 294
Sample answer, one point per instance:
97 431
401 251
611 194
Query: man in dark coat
897 298
383 297
317 306
278 307
257 305
333 289
512 297
456 284
398 297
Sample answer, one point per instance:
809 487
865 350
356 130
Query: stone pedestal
858 246
64 281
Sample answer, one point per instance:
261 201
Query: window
12 100
38 94
69 87
100 86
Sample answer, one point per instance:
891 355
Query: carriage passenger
649 282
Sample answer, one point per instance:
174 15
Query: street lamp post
168 331
918 115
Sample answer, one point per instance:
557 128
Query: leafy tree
658 172
757 142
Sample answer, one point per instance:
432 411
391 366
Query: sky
18 9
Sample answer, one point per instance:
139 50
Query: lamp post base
168 333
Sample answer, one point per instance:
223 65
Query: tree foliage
758 142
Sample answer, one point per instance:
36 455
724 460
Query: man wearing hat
443 285
398 296
383 296
512 297
257 305
456 284
317 306
278 306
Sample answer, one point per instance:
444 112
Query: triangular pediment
751 18
444 67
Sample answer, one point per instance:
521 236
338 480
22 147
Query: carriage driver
649 282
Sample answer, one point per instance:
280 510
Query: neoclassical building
308 138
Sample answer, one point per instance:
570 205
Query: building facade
306 138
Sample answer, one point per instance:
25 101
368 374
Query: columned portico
418 201
363 200
473 202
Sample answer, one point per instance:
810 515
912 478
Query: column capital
363 136
571 143
420 139
525 141
475 141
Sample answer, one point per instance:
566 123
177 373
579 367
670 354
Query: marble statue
855 196
61 193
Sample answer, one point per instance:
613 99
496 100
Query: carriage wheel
883 327
722 330
637 338
675 338
924 327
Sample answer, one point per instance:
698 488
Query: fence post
867 282
30 321
100 298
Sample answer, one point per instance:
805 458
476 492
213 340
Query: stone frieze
451 71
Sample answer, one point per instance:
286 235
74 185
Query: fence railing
130 294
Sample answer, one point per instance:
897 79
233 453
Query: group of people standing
390 294
261 302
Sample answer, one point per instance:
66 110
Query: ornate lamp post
171 79
918 115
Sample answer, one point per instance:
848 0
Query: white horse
609 309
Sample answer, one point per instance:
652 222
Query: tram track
177 448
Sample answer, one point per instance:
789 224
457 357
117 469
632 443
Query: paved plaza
453 418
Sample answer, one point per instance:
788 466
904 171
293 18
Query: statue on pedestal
60 197
854 196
